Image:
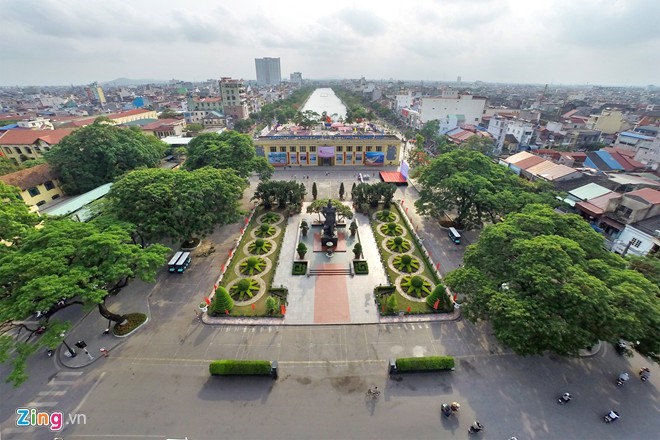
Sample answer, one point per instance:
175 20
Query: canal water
325 100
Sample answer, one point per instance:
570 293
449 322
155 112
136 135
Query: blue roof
609 160
9 127
636 135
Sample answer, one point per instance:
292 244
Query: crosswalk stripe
61 382
52 393
70 373
19 430
41 404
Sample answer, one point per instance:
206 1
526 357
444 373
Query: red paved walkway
341 243
331 298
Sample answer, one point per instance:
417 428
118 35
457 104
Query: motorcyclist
623 377
477 426
455 406
613 415
645 373
566 397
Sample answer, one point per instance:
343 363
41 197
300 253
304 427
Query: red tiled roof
30 177
650 195
29 137
627 163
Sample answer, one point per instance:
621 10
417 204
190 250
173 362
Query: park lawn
267 277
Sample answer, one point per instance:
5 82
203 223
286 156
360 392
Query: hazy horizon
558 42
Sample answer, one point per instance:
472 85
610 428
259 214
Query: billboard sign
374 158
326 151
277 159
404 169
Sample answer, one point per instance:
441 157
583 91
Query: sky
61 42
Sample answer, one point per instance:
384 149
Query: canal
325 100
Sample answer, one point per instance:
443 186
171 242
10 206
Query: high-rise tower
268 71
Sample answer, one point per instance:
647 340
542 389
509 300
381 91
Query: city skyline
506 41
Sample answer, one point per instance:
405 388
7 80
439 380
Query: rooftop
74 204
650 195
30 177
29 137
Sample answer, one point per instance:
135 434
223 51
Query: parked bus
179 262
454 235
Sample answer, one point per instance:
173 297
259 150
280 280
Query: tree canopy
100 153
16 220
181 205
343 211
7 166
280 191
546 283
470 184
230 149
65 260
374 193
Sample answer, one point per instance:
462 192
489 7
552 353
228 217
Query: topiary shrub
299 268
357 250
265 231
244 289
416 286
301 249
406 263
230 367
270 218
361 267
260 246
391 229
252 265
272 305
397 244
392 303
428 363
221 303
385 216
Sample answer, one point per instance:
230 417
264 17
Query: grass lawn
240 254
402 302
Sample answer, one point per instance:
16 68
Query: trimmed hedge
361 267
299 268
428 363
230 367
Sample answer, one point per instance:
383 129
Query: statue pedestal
329 241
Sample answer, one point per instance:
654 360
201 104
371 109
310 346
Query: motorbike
446 410
645 374
565 398
611 416
621 347
476 427
623 378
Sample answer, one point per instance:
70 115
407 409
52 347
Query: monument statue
330 214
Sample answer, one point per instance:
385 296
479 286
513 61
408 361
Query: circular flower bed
398 244
391 229
385 216
245 288
252 266
416 286
260 246
265 231
270 218
406 263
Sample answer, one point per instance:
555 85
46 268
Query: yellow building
608 121
328 148
21 145
38 185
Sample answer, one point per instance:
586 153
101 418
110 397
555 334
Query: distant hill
132 82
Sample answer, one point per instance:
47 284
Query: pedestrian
104 351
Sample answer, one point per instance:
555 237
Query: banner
293 158
303 158
277 159
312 158
349 158
404 169
374 158
326 151
339 159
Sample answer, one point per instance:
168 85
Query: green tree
194 128
392 303
16 220
431 130
101 153
7 166
77 262
545 283
181 205
649 266
484 145
229 149
243 125
280 191
222 302
33 162
343 211
353 191
314 190
169 113
469 183
341 191
307 119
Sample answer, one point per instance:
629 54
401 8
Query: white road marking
34 404
69 373
61 382
52 393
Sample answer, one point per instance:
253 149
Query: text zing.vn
54 420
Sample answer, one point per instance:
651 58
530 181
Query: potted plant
304 227
357 250
302 250
353 227
203 307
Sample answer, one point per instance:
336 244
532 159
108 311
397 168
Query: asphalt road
156 384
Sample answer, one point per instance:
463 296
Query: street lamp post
72 352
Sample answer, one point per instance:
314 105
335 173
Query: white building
646 148
450 122
296 78
499 127
268 71
451 103
404 101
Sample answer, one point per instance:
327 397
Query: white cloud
79 41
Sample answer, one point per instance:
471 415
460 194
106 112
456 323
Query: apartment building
268 71
234 98
450 102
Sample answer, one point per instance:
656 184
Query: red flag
246 220
408 309
226 312
455 297
223 269
283 309
215 286
437 303
241 230
231 253
208 301
252 306
437 266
